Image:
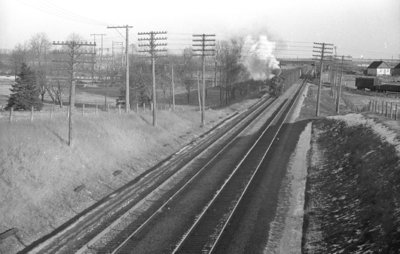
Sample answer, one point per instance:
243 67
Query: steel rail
217 194
54 244
296 97
253 115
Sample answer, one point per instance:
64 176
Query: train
376 84
286 78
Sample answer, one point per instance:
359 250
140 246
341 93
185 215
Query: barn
378 68
396 70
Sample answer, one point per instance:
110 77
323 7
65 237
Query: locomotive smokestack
258 58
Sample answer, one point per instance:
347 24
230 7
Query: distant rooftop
376 64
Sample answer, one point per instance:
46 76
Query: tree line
225 70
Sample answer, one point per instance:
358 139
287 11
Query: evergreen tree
25 92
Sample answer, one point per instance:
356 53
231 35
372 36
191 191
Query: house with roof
396 70
378 68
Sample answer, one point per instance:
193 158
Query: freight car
363 83
375 84
388 87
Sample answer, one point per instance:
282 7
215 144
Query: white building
378 68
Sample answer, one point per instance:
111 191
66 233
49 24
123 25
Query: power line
152 38
205 45
101 51
127 107
59 12
339 92
323 50
72 61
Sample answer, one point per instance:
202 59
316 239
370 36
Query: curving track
195 217
84 230
209 228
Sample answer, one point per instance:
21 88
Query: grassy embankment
43 182
353 186
352 199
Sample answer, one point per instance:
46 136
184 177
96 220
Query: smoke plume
258 58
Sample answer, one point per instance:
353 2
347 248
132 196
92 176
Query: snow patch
286 230
299 105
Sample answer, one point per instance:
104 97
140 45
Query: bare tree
229 55
187 71
19 55
39 48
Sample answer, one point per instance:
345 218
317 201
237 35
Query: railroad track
79 233
216 214
207 158
210 225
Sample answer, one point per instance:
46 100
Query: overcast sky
368 28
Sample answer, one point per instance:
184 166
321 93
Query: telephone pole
173 87
203 45
101 49
72 60
323 50
339 88
127 107
151 47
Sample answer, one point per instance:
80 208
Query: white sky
370 28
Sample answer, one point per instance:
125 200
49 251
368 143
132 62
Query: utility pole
215 72
73 59
339 92
173 87
127 107
323 51
152 38
101 52
204 48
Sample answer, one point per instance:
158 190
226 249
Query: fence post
144 107
31 113
377 107
391 110
11 114
119 109
395 115
108 107
386 109
383 105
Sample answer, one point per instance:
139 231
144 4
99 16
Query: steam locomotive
285 78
